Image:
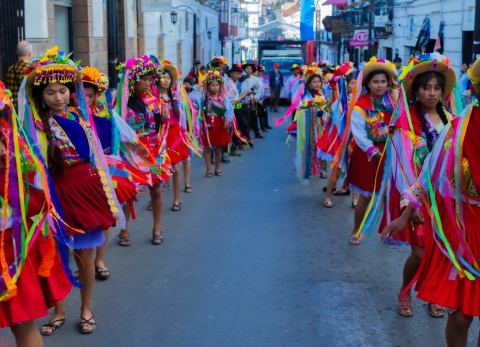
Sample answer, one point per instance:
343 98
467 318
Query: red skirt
413 235
215 134
35 294
438 280
328 144
84 204
362 173
176 148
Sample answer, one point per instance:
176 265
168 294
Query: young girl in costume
139 109
76 163
448 186
308 120
417 121
177 136
329 141
216 120
370 112
33 277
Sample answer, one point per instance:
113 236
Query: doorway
63 28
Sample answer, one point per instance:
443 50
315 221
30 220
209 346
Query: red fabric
218 135
438 281
82 199
402 122
35 294
124 189
329 143
362 172
471 146
176 148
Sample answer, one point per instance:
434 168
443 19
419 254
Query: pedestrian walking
276 85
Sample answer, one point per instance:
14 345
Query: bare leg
187 169
218 158
100 255
331 180
177 183
360 209
411 266
27 335
86 270
58 313
156 196
456 331
208 160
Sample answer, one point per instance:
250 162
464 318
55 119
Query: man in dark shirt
16 72
276 85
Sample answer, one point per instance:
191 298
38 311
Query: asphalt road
253 259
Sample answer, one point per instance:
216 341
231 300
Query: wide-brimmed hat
94 76
426 63
295 67
379 64
53 67
167 66
236 67
474 72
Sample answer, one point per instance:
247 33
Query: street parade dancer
418 119
448 188
33 277
76 163
139 109
369 114
216 118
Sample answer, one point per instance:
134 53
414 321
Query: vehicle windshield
285 63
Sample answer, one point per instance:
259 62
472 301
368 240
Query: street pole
112 25
371 11
476 32
194 38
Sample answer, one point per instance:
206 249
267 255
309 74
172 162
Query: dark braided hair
421 81
54 153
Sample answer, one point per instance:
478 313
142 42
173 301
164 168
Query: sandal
102 273
208 174
353 240
53 326
176 207
218 173
87 323
323 175
157 239
149 206
123 241
328 204
324 189
342 192
354 204
188 189
435 311
405 308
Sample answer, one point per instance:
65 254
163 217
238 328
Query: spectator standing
276 84
16 72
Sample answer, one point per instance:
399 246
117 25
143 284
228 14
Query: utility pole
112 25
476 32
371 13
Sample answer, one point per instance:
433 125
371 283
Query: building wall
408 17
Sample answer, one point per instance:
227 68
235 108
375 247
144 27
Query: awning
335 2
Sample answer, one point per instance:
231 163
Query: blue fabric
306 19
76 134
104 131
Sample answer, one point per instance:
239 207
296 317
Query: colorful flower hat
167 66
134 68
345 69
94 76
474 72
236 67
5 97
376 64
213 76
310 71
295 67
425 63
53 67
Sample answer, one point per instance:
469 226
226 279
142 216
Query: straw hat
425 63
53 67
172 70
474 72
379 64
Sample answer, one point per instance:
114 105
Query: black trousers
243 120
275 97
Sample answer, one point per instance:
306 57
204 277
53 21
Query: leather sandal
53 326
87 322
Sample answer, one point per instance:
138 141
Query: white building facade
408 16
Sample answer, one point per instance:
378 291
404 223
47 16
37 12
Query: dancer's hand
418 217
394 227
226 124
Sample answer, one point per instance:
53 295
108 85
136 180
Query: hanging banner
307 11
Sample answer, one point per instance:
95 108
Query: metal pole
112 23
194 38
476 32
371 11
